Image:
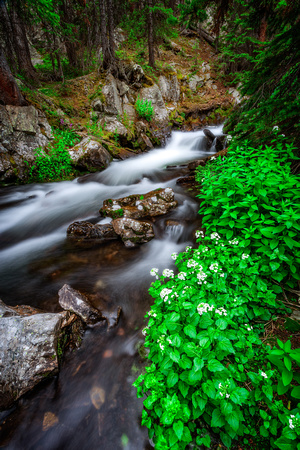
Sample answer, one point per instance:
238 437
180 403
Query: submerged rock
74 301
133 232
154 203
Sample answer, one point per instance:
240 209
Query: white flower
275 128
234 242
229 137
154 271
182 275
203 179
165 294
245 256
214 267
174 256
227 395
192 263
221 311
204 307
168 273
169 340
263 374
222 275
215 236
144 331
162 347
188 248
213 158
199 234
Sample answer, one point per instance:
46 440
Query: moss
117 213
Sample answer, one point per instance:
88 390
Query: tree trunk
150 35
8 36
69 42
21 45
9 91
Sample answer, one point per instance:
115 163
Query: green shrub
209 369
252 195
144 109
55 164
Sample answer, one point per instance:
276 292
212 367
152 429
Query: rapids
36 260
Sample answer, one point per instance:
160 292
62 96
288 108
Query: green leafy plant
144 109
55 163
252 195
286 360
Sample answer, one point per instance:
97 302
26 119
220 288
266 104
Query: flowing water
91 403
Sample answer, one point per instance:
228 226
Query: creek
91 404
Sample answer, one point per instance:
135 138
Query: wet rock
23 130
28 353
154 203
74 301
88 231
134 73
97 395
188 181
209 134
113 317
49 420
6 311
194 164
133 232
170 88
90 155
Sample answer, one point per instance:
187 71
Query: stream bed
91 404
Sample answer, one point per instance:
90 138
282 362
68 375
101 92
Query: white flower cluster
223 390
154 272
168 273
221 311
165 294
275 128
161 341
234 242
245 256
215 236
212 158
248 327
188 248
201 276
263 374
228 137
214 267
174 256
204 307
293 421
192 263
199 234
152 314
182 275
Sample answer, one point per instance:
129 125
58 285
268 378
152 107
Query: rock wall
22 130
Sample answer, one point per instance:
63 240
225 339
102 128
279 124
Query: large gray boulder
133 232
90 155
23 129
154 203
28 353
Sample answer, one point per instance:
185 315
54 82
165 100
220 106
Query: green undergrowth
209 372
55 162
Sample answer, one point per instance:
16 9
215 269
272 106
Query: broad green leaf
296 392
178 428
183 387
217 419
233 420
172 379
288 363
215 366
190 331
281 389
287 377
